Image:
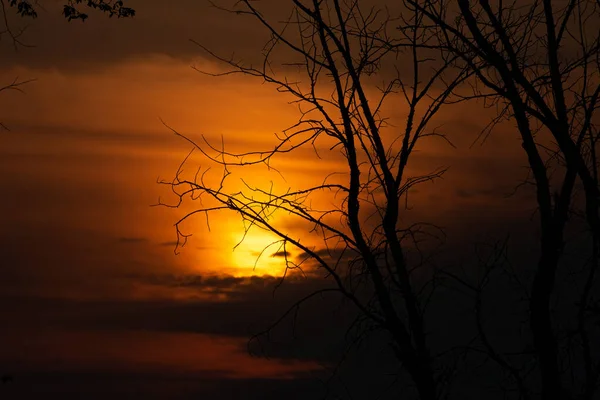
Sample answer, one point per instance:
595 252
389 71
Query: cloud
252 305
282 254
212 288
331 255
99 41
142 352
197 281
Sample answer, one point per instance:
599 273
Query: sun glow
258 253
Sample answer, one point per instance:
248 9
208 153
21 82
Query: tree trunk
541 321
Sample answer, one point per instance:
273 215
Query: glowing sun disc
256 254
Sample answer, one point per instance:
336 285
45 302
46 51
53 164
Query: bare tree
326 56
538 62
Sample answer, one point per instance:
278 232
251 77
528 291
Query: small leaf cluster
24 8
112 8
73 8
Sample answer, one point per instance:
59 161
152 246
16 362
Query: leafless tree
538 62
326 56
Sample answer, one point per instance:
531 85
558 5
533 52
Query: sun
259 253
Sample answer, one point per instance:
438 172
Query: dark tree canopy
73 9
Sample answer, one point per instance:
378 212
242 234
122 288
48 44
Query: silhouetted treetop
72 9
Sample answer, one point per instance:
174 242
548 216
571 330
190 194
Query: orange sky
79 168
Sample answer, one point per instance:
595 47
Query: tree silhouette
538 64
72 8
337 47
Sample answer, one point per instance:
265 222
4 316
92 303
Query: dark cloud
282 254
252 305
159 28
332 254
202 282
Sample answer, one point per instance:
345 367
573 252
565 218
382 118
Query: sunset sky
92 297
